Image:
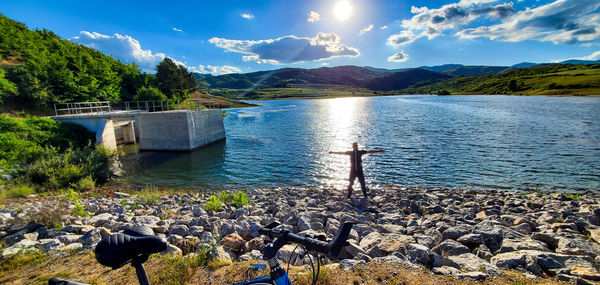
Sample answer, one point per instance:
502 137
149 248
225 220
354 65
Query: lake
480 142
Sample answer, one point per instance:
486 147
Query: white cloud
594 56
400 56
404 37
562 21
177 30
366 29
122 47
288 49
247 16
215 70
313 16
384 27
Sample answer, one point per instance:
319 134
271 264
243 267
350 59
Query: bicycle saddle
120 249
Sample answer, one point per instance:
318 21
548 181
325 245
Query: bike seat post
140 272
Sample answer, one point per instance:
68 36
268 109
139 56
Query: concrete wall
102 127
180 130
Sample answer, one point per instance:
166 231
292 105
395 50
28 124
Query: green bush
16 191
240 199
148 196
79 211
149 94
213 203
225 197
84 184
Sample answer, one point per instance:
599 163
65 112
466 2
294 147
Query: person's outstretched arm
375 150
338 152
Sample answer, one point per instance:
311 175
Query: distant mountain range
364 77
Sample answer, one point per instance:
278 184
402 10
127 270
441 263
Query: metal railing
148 106
82 108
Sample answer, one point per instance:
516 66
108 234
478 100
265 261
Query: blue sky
244 36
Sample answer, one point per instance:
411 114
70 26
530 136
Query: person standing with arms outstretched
356 170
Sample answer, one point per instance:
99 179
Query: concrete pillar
105 135
129 133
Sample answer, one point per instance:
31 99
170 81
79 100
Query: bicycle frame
278 276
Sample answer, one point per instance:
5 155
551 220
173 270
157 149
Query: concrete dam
168 130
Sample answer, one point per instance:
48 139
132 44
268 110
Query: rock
91 238
537 261
455 232
565 226
101 219
509 245
370 240
577 246
471 240
233 241
445 270
286 253
171 249
181 230
148 221
392 229
69 239
77 229
348 264
595 234
392 242
425 240
470 262
255 244
450 247
492 237
475 275
198 211
585 273
353 250
72 246
303 223
419 254
49 244
206 237
252 255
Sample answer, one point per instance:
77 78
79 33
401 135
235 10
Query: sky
221 37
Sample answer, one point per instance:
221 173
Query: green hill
38 69
541 79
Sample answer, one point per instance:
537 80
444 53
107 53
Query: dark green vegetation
50 155
39 69
549 79
541 79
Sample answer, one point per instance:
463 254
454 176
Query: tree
174 80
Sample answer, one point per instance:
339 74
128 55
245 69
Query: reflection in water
499 142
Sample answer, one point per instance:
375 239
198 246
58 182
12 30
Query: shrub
225 197
16 191
70 195
84 184
213 203
50 214
79 211
148 196
240 199
149 94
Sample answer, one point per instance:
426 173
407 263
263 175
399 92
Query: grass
165 269
240 199
79 211
573 196
149 196
16 191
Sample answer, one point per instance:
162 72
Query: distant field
555 79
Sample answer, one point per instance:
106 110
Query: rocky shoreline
460 233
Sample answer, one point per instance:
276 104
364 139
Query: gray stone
450 247
49 244
148 221
509 245
475 275
456 232
101 219
370 240
471 240
72 246
198 211
445 270
348 264
181 230
68 239
577 246
419 254
303 223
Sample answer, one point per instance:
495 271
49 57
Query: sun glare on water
342 10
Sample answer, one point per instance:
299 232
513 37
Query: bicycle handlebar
331 249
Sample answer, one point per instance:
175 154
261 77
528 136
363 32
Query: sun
342 10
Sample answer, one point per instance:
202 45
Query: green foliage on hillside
549 79
39 69
50 154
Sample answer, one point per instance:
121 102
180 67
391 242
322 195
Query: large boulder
450 247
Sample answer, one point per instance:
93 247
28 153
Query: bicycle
135 246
